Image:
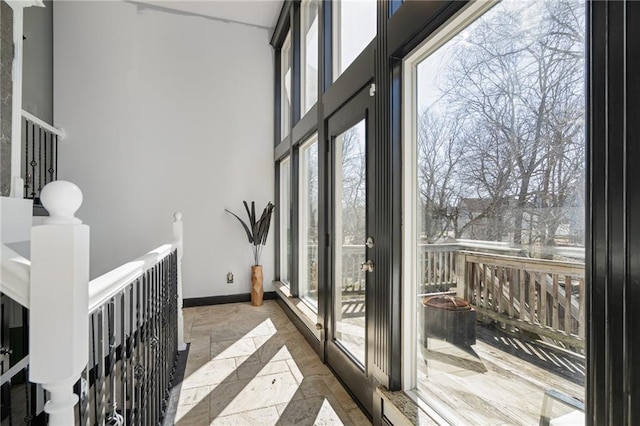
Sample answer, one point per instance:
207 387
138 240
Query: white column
18 6
178 235
59 325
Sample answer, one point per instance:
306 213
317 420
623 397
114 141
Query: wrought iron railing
40 160
132 350
118 341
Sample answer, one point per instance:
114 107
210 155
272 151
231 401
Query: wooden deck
498 381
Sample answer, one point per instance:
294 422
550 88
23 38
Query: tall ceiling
262 13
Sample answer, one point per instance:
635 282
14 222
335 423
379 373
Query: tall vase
257 292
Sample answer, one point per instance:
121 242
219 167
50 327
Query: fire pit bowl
448 318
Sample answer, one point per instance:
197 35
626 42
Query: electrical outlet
230 278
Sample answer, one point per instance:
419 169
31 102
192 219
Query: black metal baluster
123 354
93 365
159 353
151 351
82 390
51 158
163 349
44 161
56 151
28 414
136 404
113 417
100 370
33 161
154 347
26 158
39 160
130 401
145 347
163 340
152 361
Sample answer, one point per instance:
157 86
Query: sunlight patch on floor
266 389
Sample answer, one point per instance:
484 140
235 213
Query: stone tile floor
250 366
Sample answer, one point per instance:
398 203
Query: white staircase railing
131 318
14 276
40 155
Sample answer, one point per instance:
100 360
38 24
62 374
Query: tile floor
250 366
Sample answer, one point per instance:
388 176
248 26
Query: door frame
358 381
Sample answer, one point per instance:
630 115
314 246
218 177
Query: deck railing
353 278
545 297
437 267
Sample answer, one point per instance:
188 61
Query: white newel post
178 235
59 324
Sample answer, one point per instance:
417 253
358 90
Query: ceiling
261 13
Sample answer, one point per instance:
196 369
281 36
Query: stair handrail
43 124
108 285
15 276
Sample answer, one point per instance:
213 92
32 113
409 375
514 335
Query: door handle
367 266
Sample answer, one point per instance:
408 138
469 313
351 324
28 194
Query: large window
285 220
308 210
354 26
285 87
494 189
309 54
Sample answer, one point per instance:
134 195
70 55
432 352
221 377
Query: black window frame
613 196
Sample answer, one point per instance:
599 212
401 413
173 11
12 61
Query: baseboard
219 300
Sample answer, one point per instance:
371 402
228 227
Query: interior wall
165 112
37 61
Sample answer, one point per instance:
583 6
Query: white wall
165 112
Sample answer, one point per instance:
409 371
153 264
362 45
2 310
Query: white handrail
59 132
16 272
19 366
106 286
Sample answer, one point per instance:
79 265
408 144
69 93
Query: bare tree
513 99
353 186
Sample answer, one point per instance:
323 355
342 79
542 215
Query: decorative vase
257 293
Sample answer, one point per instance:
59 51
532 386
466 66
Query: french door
350 131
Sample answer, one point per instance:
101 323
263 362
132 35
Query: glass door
350 131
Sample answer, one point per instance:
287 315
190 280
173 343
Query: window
494 196
308 210
354 26
349 234
309 46
285 220
285 89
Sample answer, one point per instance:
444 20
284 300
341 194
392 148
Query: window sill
300 308
406 408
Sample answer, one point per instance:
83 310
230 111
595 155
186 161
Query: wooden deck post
462 288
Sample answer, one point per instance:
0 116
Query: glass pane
349 237
309 221
285 93
500 178
309 54
354 28
285 220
